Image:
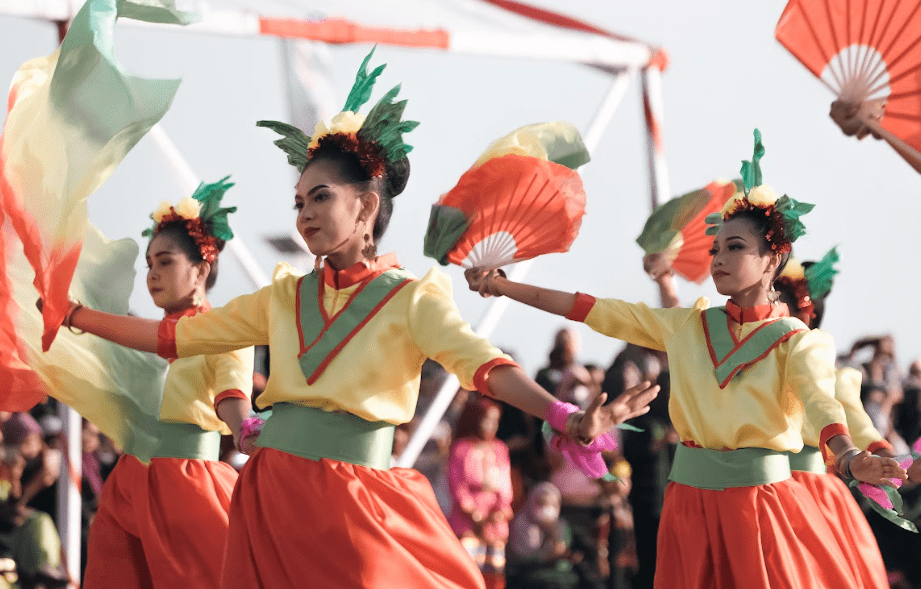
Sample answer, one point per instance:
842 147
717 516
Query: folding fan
864 51
676 229
515 203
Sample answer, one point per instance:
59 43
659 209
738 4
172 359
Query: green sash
729 357
176 440
809 459
312 433
715 470
321 337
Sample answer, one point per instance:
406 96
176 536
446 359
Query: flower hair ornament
377 139
783 213
810 284
201 215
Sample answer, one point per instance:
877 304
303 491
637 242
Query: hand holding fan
868 52
521 199
676 229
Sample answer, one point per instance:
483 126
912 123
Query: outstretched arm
131 332
493 283
511 385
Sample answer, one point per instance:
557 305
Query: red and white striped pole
652 109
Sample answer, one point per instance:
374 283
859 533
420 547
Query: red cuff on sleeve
828 432
581 307
229 394
482 374
166 339
878 445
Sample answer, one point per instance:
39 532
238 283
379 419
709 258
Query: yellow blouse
376 374
763 406
847 391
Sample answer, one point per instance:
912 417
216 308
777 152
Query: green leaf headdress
784 213
377 139
821 275
202 214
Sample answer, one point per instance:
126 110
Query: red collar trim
360 272
759 313
190 312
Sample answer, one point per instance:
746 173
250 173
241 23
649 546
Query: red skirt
162 525
855 537
763 537
297 522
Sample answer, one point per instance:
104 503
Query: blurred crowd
526 516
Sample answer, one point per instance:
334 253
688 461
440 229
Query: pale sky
727 76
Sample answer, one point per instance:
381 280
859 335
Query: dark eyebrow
739 237
315 188
163 253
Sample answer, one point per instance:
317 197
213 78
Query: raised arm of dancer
131 332
862 119
511 385
494 283
661 272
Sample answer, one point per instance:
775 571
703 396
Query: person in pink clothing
480 479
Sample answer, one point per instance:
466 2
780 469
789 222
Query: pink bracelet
558 413
250 427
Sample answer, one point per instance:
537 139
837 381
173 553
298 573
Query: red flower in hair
206 243
775 235
369 154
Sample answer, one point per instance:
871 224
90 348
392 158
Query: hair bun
397 177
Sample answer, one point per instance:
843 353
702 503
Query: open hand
876 470
483 281
599 419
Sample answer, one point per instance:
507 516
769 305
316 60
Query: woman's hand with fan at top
484 281
859 119
658 267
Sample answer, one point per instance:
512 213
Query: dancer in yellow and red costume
317 503
743 377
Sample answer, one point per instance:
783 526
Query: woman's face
738 263
173 280
330 213
547 508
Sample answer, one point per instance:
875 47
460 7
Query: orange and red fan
677 229
864 51
516 203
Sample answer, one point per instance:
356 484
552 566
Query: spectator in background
620 552
562 356
538 549
27 534
91 484
481 488
650 454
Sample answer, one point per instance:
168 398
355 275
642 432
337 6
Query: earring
370 249
773 295
198 299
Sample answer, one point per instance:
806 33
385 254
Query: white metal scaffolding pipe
70 529
189 182
497 307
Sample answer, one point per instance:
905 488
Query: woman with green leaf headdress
317 504
163 511
803 287
743 377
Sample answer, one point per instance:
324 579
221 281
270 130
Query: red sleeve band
581 307
879 445
229 394
828 432
482 374
166 339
